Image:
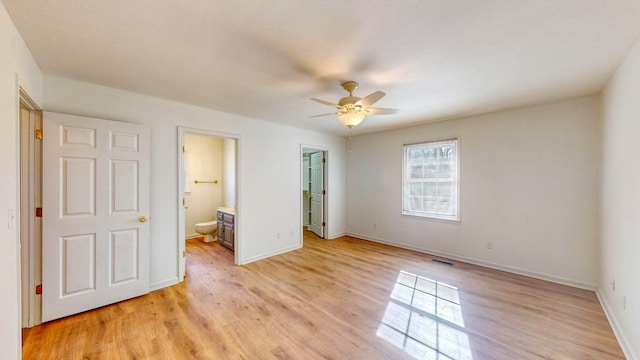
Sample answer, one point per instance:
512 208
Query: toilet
208 229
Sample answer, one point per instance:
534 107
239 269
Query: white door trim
30 231
181 186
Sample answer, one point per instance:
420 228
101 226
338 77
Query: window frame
405 182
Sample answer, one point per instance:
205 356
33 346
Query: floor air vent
442 262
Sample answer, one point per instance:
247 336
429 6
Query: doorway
207 182
314 166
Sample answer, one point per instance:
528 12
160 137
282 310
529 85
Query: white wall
620 215
205 164
229 173
268 169
529 184
16 62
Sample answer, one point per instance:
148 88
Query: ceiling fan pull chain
350 149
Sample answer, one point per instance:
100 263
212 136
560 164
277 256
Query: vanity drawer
228 219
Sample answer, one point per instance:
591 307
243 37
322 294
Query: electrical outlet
624 302
613 285
489 245
278 236
375 226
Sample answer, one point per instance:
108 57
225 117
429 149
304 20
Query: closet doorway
314 164
207 183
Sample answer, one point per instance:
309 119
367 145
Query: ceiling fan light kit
350 119
352 109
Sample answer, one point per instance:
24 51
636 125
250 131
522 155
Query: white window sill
432 217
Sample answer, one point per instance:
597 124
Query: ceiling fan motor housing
348 101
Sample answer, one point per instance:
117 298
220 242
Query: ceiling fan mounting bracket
350 86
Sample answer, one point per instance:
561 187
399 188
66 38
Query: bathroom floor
200 239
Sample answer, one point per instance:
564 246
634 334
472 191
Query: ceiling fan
352 109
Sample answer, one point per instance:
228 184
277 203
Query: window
430 185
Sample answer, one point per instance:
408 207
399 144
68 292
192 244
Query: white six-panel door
317 201
95 209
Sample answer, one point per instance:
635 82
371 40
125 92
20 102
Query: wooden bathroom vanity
226 227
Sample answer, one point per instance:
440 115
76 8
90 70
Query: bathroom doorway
207 183
314 168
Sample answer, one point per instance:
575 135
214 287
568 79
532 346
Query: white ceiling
265 59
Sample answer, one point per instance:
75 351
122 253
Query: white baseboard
266 255
615 326
489 264
191 236
335 236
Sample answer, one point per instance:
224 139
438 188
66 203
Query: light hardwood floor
337 299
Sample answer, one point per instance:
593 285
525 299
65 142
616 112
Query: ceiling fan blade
380 111
326 103
370 99
314 116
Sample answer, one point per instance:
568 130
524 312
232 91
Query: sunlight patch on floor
424 318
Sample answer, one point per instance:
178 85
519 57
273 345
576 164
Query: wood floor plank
336 299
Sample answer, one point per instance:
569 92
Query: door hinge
324 160
184 253
324 223
323 192
39 289
38 134
183 149
38 212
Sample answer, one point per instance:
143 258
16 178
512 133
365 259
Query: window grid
430 183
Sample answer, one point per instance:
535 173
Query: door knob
142 219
